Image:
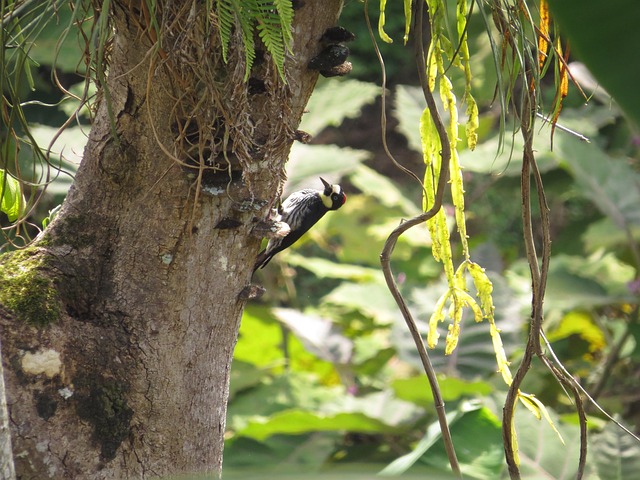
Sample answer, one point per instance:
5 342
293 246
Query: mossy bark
123 369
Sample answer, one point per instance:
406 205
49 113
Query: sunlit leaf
11 200
333 102
295 422
416 389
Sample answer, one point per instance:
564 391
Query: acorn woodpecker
301 211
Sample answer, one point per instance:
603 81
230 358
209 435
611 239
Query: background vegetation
325 378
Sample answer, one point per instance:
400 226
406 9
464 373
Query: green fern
272 20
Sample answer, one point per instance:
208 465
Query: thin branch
385 257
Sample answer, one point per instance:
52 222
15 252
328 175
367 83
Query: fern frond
272 19
271 33
285 12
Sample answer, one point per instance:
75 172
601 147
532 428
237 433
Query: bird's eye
334 196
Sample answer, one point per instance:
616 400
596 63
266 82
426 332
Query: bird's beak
325 183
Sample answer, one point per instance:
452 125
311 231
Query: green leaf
616 455
55 44
581 324
587 26
260 343
577 282
319 335
604 234
322 268
295 422
291 457
332 102
372 300
372 183
610 183
477 436
12 202
416 389
308 162
542 454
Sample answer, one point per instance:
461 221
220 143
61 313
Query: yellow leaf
407 20
436 317
381 21
536 407
543 36
473 122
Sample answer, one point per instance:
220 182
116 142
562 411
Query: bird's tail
262 260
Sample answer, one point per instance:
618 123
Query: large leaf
542 455
298 455
587 282
319 335
610 183
371 300
332 102
416 389
261 343
589 26
295 422
615 454
308 162
477 436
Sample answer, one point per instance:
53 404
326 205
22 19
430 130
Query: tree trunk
118 326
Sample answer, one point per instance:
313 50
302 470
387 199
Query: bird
301 211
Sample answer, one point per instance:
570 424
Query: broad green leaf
319 335
610 183
50 41
587 26
477 437
11 200
308 162
382 406
431 436
332 102
372 183
615 454
282 456
260 343
327 269
542 455
416 389
295 422
275 394
585 282
604 234
372 300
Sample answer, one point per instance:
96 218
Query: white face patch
336 189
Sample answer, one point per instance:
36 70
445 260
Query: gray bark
126 374
7 470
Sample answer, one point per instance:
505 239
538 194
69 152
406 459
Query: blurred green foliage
325 381
346 392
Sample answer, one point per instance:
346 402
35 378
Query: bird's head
332 197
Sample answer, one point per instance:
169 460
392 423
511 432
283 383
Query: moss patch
26 289
104 404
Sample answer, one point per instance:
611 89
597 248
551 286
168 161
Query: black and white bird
301 211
